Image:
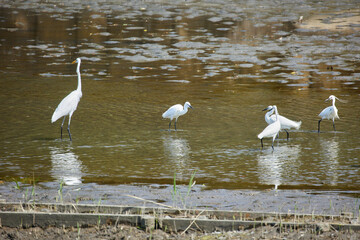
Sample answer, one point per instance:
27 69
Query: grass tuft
176 194
60 190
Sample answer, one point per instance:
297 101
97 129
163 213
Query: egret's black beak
191 107
266 109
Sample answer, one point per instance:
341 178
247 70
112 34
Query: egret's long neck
267 115
333 102
276 113
79 77
184 110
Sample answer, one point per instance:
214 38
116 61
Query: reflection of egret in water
177 151
65 165
273 165
331 153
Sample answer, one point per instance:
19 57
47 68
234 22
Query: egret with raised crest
330 112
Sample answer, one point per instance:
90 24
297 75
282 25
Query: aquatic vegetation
178 194
60 190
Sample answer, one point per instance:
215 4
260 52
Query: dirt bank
129 232
72 221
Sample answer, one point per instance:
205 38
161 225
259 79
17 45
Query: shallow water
139 58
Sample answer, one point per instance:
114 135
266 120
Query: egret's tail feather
298 124
166 114
55 116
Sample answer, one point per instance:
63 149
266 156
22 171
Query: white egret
69 104
330 112
301 18
285 123
272 129
176 111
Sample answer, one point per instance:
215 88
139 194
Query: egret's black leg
287 135
262 146
334 125
272 145
169 125
175 124
69 126
69 133
319 125
62 127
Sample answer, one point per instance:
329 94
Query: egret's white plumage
272 129
69 104
285 123
176 111
330 112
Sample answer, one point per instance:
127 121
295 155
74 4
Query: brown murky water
229 61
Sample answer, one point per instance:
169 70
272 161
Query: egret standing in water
272 129
176 111
69 104
285 123
330 112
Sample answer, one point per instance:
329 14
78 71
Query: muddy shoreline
270 200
